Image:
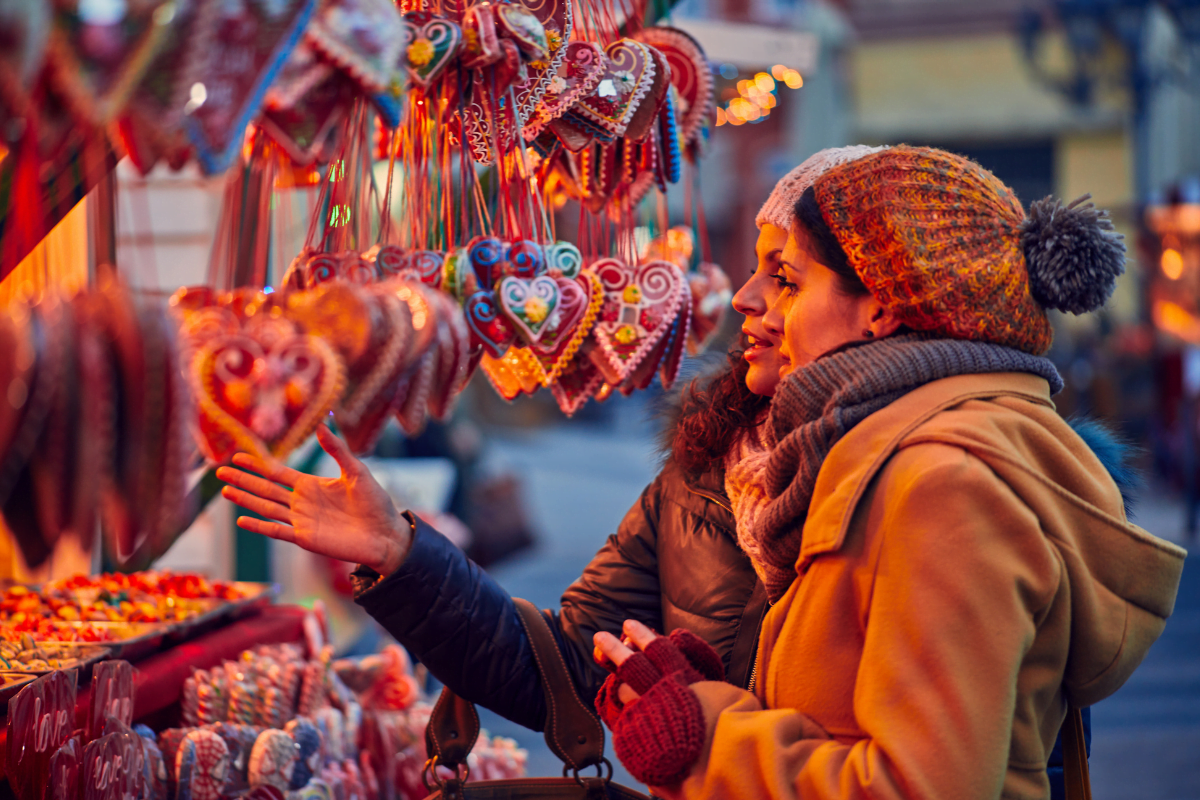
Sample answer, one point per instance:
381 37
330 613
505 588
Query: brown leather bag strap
452 730
1075 764
573 731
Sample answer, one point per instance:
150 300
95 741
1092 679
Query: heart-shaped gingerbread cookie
581 298
431 43
629 74
489 328
529 304
264 400
640 305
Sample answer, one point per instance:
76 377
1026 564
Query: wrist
396 545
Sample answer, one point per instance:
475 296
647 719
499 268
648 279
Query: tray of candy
39 658
253 596
128 640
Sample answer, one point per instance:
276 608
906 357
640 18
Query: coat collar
860 454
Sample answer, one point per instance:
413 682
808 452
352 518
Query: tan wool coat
966 571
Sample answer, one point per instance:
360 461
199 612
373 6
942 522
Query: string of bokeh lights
751 100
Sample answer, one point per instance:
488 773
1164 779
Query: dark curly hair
713 412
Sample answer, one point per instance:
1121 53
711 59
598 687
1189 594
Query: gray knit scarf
815 406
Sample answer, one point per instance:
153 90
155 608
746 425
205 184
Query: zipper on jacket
753 673
714 498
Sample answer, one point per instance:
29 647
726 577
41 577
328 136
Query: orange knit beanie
946 246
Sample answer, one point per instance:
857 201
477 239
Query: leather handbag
573 732
1076 779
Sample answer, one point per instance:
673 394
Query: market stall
470 180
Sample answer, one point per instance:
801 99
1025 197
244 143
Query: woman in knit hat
675 559
950 566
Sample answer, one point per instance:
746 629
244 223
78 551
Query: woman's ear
881 321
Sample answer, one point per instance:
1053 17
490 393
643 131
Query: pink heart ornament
530 304
640 305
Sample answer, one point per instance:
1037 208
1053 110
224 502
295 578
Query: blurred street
579 480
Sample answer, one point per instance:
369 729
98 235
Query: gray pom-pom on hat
1073 254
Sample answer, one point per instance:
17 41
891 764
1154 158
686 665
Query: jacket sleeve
463 625
949 608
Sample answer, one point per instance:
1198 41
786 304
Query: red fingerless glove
659 736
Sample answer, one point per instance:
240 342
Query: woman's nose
773 319
749 299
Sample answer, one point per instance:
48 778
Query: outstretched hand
350 518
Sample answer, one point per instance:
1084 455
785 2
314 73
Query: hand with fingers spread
350 518
657 723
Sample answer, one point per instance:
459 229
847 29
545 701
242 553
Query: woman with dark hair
675 560
949 564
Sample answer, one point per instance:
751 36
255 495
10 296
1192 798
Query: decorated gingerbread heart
264 400
389 259
646 114
690 75
453 368
431 43
489 328
577 384
524 28
481 45
486 256
580 302
577 73
563 259
629 74
251 42
363 37
556 19
529 304
426 265
640 305
353 268
527 258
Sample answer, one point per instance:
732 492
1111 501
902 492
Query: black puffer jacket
673 563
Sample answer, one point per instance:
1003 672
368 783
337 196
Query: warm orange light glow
764 82
721 117
778 71
743 87
1172 264
793 79
1176 320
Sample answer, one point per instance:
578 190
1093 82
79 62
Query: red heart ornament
628 76
690 75
363 37
250 43
577 383
412 408
454 356
557 22
580 304
389 259
488 327
646 114
640 305
264 399
682 332
524 28
481 46
576 74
